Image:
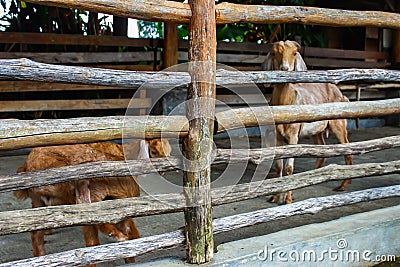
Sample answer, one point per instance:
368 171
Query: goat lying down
89 190
285 56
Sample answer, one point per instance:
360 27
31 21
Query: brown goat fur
286 56
89 190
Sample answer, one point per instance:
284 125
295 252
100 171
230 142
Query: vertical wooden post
197 146
396 42
358 98
120 26
142 94
170 49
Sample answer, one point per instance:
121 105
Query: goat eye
295 53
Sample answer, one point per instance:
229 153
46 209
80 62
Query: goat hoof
48 232
274 199
339 189
130 260
288 201
122 238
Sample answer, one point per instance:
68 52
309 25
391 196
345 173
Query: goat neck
283 94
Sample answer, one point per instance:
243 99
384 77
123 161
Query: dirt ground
14 247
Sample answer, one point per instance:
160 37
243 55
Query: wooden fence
18 134
149 55
243 56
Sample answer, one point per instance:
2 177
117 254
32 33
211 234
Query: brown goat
285 56
89 190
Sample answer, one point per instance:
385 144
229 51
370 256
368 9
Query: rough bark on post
200 109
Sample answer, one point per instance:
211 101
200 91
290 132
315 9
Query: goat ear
299 64
268 63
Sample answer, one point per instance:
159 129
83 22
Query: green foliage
264 33
20 16
233 32
183 31
27 17
149 29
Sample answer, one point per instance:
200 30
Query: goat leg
82 192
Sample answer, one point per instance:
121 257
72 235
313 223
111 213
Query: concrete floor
337 243
13 247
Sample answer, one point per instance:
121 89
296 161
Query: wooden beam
270 14
140 246
308 51
114 211
309 206
343 63
44 132
28 86
74 39
126 67
265 115
171 11
119 169
375 86
15 134
343 53
170 46
76 104
126 57
197 146
156 10
25 69
81 57
320 62
251 99
365 95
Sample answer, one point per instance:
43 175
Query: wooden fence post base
197 147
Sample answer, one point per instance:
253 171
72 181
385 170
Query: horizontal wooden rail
343 53
73 104
22 133
25 69
343 63
83 130
258 155
257 59
83 57
268 14
75 39
117 210
374 86
105 40
15 134
307 51
158 10
28 86
136 247
120 168
246 117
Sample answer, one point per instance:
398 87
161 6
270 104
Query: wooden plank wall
147 56
242 55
